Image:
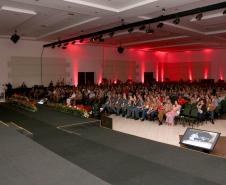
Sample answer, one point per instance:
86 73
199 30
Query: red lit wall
189 65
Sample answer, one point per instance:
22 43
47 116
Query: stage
115 157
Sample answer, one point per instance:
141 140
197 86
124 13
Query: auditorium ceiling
51 20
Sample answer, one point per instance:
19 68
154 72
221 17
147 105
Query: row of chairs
189 114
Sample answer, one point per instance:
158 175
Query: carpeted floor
119 158
24 162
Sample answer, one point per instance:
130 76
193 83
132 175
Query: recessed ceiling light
18 10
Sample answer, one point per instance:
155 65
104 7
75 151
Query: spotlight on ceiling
53 46
120 49
92 39
149 30
66 43
142 27
224 12
130 30
199 17
15 38
176 21
73 42
81 40
111 34
64 47
100 38
160 25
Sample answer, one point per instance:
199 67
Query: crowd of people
156 101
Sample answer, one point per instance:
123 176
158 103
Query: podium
106 121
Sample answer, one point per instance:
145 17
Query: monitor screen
200 138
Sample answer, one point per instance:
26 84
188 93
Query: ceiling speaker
120 49
14 38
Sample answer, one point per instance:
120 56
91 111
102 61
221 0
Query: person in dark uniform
124 104
130 106
138 108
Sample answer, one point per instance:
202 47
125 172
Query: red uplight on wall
188 52
162 72
206 73
100 79
142 72
157 72
75 74
221 76
190 74
208 50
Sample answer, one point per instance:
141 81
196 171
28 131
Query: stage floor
115 157
164 133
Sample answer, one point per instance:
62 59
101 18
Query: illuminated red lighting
141 53
157 72
208 50
100 79
115 81
221 76
162 73
142 72
190 74
187 52
146 49
206 73
75 74
160 53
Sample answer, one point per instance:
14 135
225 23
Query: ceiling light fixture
111 34
158 20
18 10
142 27
176 21
224 12
73 42
81 40
160 25
150 31
199 17
130 30
15 38
92 39
100 38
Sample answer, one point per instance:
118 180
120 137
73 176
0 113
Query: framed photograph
200 139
